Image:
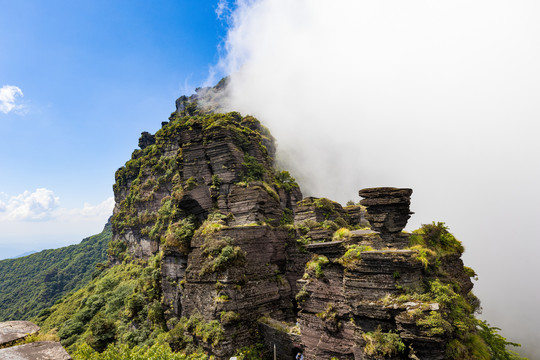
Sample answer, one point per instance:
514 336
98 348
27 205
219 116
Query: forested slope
35 282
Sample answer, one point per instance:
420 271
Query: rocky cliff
241 253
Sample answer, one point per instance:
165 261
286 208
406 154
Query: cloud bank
29 206
441 97
35 220
8 98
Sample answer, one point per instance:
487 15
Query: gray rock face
41 350
387 208
252 239
146 140
15 330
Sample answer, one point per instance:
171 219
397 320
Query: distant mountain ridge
23 254
31 283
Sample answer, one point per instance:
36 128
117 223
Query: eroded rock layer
239 249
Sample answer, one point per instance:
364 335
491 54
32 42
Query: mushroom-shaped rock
387 208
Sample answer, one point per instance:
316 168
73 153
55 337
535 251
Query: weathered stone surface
146 140
357 215
251 204
318 210
345 302
281 337
218 172
41 350
173 270
387 208
11 331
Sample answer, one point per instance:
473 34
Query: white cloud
438 96
29 206
100 211
223 10
8 97
35 221
43 205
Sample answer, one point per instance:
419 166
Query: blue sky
93 75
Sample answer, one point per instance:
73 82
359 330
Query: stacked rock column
388 212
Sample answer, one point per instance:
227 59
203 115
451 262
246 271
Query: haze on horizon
441 97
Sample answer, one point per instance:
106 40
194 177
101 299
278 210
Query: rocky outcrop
206 196
238 244
361 294
387 208
41 350
12 332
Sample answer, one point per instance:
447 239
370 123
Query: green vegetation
284 180
229 317
157 351
384 344
436 237
179 234
35 282
471 338
315 265
329 314
253 169
151 171
302 295
121 305
341 234
186 330
353 255
253 352
220 254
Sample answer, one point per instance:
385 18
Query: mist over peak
437 97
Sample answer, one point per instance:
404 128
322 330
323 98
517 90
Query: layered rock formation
240 249
12 332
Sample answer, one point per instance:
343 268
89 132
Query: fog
439 96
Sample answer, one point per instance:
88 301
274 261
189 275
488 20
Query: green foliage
424 255
253 352
191 184
353 255
157 351
434 324
329 314
284 180
384 344
216 182
341 234
121 305
179 234
220 254
195 327
229 317
470 272
31 284
117 249
102 332
302 295
315 265
287 218
497 344
327 206
436 237
270 191
253 169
